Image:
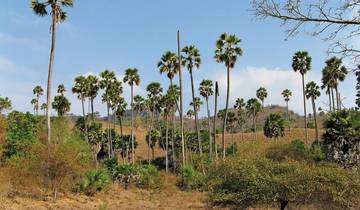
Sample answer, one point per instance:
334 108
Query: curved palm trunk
315 120
181 102
226 111
195 111
167 144
209 126
132 126
84 116
305 117
215 116
50 74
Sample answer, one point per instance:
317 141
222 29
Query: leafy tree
312 92
92 84
80 88
132 78
58 15
274 126
253 107
61 104
192 60
287 94
5 104
302 63
38 91
261 94
240 108
206 90
341 139
227 51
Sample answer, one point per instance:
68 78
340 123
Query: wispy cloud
24 42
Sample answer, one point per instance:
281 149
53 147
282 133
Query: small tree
5 104
261 94
274 126
287 94
38 91
152 137
61 104
240 108
253 107
313 92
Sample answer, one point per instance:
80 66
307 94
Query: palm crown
261 93
40 8
239 104
227 50
168 64
132 76
206 88
191 57
333 72
92 84
197 102
301 62
38 91
80 87
253 106
312 90
286 94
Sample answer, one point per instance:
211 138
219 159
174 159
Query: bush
94 181
295 150
149 177
190 179
260 181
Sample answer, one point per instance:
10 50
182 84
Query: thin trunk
181 101
108 131
195 111
121 127
337 98
215 116
305 116
226 111
84 116
92 109
232 141
287 113
132 126
254 126
333 100
242 131
167 145
176 100
328 92
50 74
149 140
209 126
37 105
172 141
315 120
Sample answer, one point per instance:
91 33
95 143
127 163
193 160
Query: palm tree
192 60
139 106
312 91
5 104
44 107
215 116
227 52
302 63
106 83
206 90
274 126
231 120
333 73
38 91
80 88
120 112
61 104
174 92
253 107
287 94
114 96
261 94
132 78
92 91
154 93
190 114
58 16
240 106
35 103
181 100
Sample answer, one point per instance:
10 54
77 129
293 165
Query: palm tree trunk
287 113
181 101
333 100
328 92
209 126
132 126
37 104
242 131
337 98
108 131
195 111
121 127
315 120
215 116
85 124
176 100
92 109
226 111
50 74
172 141
254 126
167 144
305 117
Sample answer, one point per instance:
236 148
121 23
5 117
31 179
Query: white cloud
22 41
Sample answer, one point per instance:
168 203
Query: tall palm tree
240 106
227 51
44 107
38 91
181 100
206 90
35 103
174 92
154 90
132 78
192 60
106 83
57 16
253 107
231 122
80 88
301 63
92 91
114 96
215 116
333 73
287 94
261 94
312 92
120 112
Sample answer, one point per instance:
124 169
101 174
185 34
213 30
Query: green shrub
190 179
295 150
94 181
317 153
149 177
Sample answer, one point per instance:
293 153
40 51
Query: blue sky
120 34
